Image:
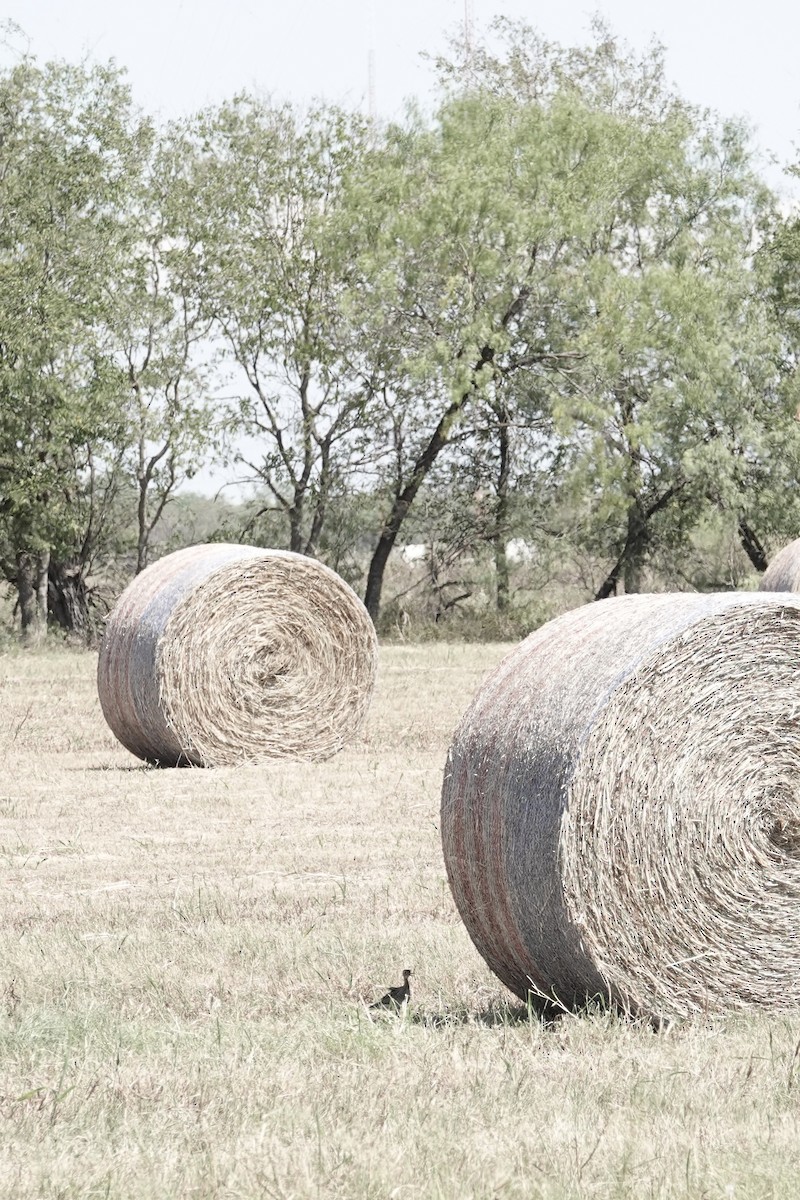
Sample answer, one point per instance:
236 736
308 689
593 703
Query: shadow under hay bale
223 654
783 573
621 806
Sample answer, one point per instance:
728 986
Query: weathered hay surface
223 654
621 806
783 573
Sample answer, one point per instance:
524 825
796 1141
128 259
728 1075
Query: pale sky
737 57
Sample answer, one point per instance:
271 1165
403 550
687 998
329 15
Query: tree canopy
561 308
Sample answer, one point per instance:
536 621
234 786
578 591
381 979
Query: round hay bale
222 654
621 806
783 573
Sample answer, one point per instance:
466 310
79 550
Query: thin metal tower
469 22
371 106
371 83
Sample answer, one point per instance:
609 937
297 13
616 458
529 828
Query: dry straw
223 654
621 806
783 573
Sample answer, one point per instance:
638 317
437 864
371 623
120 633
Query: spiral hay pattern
783 573
223 654
621 806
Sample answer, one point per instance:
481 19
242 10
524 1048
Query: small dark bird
396 997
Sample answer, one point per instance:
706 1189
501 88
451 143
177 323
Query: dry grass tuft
183 957
621 808
220 654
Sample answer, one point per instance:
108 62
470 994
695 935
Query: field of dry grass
184 955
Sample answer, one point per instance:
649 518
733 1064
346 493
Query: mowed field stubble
185 960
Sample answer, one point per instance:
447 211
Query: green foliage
537 313
778 274
156 341
261 188
70 143
674 407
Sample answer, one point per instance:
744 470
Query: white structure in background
469 22
518 551
414 553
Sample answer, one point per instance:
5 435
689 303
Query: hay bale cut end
222 654
621 806
783 573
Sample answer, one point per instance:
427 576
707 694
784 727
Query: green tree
776 470
471 225
157 340
70 143
673 407
679 408
262 188
497 237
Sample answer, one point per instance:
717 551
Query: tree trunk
406 496
628 566
296 526
500 536
611 581
752 546
631 560
635 547
69 599
377 567
142 535
501 573
32 591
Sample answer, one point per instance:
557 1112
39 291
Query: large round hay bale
783 573
223 654
621 806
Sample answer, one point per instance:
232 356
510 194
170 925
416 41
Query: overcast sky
739 58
